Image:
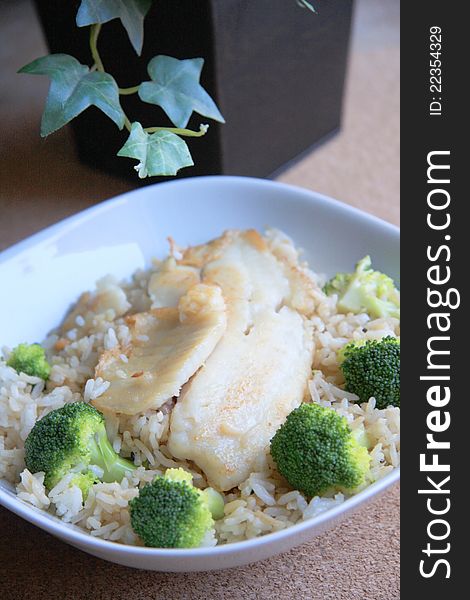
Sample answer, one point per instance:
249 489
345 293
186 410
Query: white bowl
45 273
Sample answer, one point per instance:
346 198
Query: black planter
275 70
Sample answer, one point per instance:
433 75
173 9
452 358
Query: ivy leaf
175 87
131 13
160 153
73 89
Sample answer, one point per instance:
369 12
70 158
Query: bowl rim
56 229
72 533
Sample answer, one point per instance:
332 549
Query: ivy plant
174 86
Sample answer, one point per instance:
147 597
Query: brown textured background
41 182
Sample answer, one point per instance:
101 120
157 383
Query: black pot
275 70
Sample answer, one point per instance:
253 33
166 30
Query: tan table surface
358 560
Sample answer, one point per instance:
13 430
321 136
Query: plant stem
183 132
94 33
127 123
129 90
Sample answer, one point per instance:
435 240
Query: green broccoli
365 290
214 501
372 368
211 497
316 451
84 481
69 438
30 359
171 513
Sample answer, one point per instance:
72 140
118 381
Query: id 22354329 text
435 71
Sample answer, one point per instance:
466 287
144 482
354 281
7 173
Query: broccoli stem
103 455
214 501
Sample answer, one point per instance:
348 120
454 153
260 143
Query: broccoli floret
315 451
30 359
372 368
214 500
69 438
171 513
365 290
337 283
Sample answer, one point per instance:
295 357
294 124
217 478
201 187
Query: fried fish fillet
170 282
257 373
168 346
